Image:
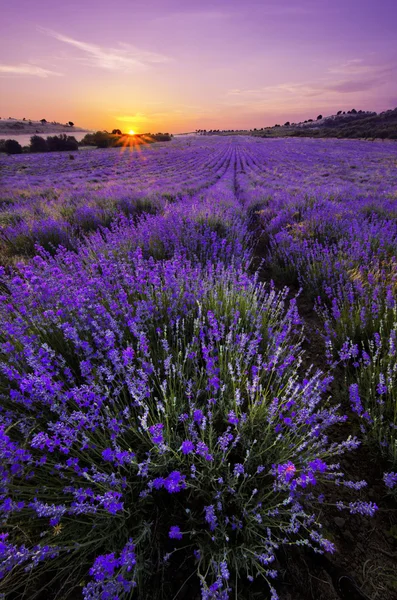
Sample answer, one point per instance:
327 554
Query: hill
14 127
353 124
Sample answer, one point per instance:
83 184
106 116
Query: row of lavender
339 244
51 200
154 415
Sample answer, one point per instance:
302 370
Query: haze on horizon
180 65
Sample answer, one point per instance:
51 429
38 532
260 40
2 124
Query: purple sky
179 65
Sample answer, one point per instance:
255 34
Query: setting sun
131 132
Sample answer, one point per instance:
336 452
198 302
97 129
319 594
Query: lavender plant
153 411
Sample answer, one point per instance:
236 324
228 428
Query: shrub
88 140
161 137
163 428
38 144
12 147
102 139
62 143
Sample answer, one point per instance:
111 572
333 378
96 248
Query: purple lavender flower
210 517
187 447
286 472
156 431
175 482
175 533
232 418
390 479
238 469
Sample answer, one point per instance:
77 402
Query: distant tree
71 124
339 112
161 137
24 119
102 139
353 111
62 143
319 117
116 132
43 121
287 124
38 144
88 140
310 120
12 147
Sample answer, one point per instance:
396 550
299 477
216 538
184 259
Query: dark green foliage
38 144
103 139
62 143
12 147
161 137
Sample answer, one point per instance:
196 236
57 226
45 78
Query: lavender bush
155 412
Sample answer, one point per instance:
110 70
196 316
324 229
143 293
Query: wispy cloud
26 69
350 77
354 66
348 86
124 57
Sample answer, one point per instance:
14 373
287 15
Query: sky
182 65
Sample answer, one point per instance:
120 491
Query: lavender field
198 371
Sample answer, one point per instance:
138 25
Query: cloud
349 77
350 86
123 58
26 69
354 66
